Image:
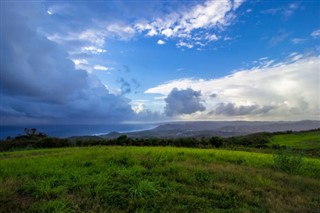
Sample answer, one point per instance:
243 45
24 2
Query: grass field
153 179
298 140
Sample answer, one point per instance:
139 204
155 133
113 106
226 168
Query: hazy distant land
217 128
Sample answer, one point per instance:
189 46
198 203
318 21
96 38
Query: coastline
66 131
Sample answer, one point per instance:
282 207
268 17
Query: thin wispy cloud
286 11
298 40
316 34
280 37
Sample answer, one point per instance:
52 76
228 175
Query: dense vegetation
154 179
307 141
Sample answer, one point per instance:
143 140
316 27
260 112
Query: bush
216 141
285 160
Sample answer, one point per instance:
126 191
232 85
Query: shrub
285 160
216 141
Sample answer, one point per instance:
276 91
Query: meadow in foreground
153 179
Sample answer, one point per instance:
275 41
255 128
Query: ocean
64 131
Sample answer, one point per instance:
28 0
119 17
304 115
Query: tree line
33 139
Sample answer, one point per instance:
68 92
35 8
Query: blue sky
152 61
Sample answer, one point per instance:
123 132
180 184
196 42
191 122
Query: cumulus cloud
161 42
185 101
182 24
282 90
39 82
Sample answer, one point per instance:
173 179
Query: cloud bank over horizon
273 91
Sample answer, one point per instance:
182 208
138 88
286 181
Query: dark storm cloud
231 109
39 82
183 102
32 65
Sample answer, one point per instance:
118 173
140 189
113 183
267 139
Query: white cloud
80 61
263 58
161 42
286 11
184 44
192 26
212 37
182 24
138 107
93 49
316 33
294 57
93 36
272 11
279 37
286 91
92 40
121 31
103 68
61 9
298 40
82 64
167 32
237 3
290 9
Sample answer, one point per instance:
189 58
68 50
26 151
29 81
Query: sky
95 62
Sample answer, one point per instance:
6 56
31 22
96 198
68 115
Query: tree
33 131
216 141
27 131
122 139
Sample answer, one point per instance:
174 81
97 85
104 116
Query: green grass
299 140
153 179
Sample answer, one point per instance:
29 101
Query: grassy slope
128 179
299 140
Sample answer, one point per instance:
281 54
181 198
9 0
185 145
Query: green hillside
154 179
298 140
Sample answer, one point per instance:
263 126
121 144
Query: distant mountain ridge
217 128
